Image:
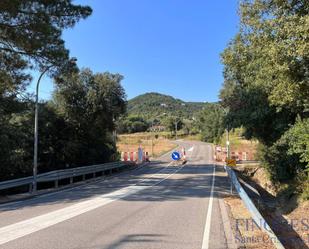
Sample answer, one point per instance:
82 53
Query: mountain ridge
152 104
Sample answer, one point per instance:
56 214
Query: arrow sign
175 156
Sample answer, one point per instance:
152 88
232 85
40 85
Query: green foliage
266 79
74 129
30 39
305 190
189 127
211 122
132 124
89 103
152 105
298 137
171 122
280 165
31 32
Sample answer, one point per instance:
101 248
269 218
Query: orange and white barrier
146 157
124 156
221 155
133 156
183 150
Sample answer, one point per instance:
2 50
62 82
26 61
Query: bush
288 157
280 165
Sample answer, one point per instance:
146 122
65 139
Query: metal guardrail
256 215
62 174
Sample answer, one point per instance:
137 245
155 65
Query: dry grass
131 142
196 137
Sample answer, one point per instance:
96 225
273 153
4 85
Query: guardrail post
228 170
30 187
56 176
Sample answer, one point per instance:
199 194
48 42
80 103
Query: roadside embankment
281 207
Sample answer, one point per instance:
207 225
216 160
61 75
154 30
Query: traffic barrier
147 157
134 156
245 156
183 154
57 175
256 215
221 155
140 155
240 155
125 158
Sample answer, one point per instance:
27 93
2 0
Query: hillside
150 105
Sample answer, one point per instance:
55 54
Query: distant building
157 128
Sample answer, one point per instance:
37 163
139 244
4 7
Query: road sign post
231 162
175 156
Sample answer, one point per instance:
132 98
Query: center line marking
205 244
26 227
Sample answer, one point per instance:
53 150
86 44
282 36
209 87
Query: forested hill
151 105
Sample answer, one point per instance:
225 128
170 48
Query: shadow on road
190 181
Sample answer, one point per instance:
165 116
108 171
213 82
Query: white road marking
205 244
43 195
191 149
26 227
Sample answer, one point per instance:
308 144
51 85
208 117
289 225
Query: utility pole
228 143
114 132
152 137
176 128
227 136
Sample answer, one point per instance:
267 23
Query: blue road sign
175 156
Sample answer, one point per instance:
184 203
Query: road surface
156 206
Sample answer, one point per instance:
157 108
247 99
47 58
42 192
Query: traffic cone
125 156
147 157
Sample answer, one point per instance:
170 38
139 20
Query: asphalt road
156 206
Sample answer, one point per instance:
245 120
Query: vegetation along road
84 86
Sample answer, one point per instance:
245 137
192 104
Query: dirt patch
299 220
246 233
261 177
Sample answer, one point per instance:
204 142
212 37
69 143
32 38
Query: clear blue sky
167 46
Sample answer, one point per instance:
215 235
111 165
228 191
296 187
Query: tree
31 31
170 123
266 77
210 122
30 38
132 124
89 103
